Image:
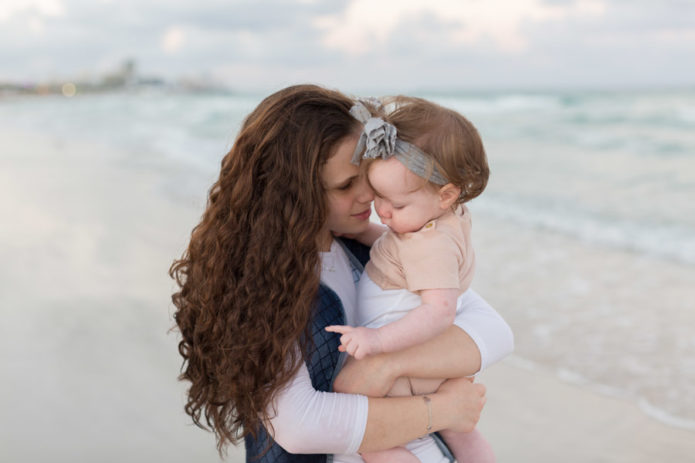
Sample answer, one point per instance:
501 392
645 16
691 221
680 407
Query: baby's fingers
351 348
345 340
342 329
348 344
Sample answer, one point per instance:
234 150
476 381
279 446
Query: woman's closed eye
347 185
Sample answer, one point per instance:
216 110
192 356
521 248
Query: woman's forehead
338 168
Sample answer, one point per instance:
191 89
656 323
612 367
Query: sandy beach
532 416
90 366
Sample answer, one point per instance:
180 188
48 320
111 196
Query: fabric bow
378 139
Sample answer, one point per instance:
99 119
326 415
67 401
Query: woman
262 277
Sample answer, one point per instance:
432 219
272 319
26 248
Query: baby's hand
357 341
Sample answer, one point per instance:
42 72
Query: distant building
124 77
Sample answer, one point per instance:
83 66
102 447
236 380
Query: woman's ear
448 194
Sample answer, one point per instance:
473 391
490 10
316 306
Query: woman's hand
462 403
372 376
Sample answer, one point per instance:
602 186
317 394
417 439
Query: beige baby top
438 256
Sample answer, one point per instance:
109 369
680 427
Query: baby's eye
398 207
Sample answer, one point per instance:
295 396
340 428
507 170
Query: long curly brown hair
250 274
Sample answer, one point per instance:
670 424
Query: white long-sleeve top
311 421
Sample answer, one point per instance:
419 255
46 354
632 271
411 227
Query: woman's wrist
437 412
428 404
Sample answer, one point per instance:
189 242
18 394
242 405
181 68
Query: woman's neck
324 240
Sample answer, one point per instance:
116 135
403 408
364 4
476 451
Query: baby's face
402 200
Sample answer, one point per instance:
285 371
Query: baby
424 162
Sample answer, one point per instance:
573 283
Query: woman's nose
365 194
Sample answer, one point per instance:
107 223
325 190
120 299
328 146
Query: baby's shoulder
432 232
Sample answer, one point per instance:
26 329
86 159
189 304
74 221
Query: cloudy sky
353 44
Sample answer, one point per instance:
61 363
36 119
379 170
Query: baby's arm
431 318
479 338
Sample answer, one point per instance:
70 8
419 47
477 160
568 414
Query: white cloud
173 39
8 8
365 23
35 25
354 43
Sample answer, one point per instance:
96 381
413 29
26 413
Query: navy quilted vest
322 364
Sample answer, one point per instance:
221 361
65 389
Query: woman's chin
358 227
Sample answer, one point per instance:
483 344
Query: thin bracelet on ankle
428 402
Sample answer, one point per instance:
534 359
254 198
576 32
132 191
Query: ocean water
594 176
612 168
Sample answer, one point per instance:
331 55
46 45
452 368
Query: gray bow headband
379 141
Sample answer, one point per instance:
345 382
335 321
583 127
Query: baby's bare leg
401 388
404 387
423 386
396 454
468 447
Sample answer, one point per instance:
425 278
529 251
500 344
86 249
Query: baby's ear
448 194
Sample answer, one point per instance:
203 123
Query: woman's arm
452 354
394 421
301 414
347 423
487 339
491 334
421 324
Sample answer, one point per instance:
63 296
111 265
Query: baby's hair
452 142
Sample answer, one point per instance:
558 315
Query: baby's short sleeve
430 259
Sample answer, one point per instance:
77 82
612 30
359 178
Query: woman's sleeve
486 327
309 421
